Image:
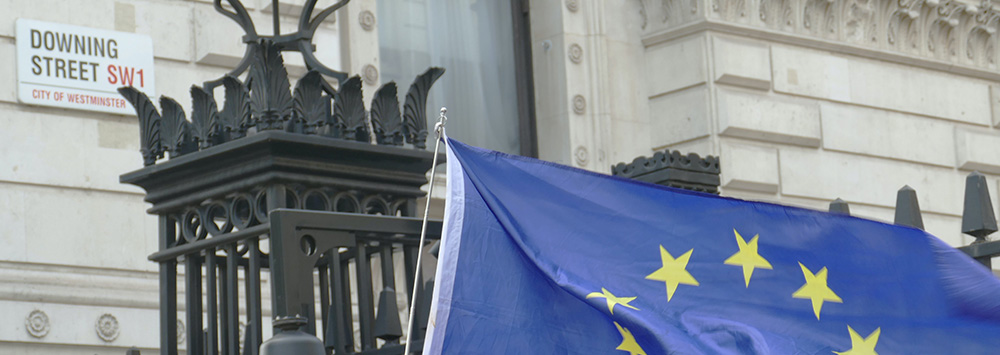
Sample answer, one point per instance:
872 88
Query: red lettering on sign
41 94
119 74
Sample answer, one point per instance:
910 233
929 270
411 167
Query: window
474 41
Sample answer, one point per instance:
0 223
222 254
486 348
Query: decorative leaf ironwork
270 90
204 118
266 101
175 130
235 115
311 106
386 119
349 111
299 41
414 110
149 124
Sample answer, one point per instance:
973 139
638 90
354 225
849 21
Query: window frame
524 84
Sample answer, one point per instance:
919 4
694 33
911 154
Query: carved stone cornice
946 34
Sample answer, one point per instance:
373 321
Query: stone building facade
804 101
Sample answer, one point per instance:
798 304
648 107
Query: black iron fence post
908 208
840 206
978 220
168 289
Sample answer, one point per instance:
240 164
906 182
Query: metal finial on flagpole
442 120
438 133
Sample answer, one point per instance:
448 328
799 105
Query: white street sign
79 67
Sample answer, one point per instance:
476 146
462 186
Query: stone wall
804 101
74 277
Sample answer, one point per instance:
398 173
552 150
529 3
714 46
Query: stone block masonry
803 108
73 240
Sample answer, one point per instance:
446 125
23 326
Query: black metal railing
233 189
978 218
213 207
302 244
692 172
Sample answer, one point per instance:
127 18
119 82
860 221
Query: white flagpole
438 132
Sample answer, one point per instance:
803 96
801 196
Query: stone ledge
742 63
768 118
865 82
671 67
977 150
957 32
716 26
869 180
889 134
750 167
65 150
679 117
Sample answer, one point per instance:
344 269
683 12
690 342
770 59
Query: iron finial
908 209
839 206
442 120
978 219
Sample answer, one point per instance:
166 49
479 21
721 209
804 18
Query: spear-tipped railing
978 218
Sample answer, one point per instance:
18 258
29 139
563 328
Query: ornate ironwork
150 141
300 40
269 148
204 118
265 101
349 112
236 114
385 116
671 168
175 130
270 95
312 107
414 111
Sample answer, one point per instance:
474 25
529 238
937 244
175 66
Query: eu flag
539 258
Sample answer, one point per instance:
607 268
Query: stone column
359 51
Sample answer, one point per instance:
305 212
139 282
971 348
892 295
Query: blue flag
539 258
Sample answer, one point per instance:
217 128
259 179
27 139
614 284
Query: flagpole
438 132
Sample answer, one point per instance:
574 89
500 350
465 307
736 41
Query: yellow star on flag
612 299
816 289
628 342
862 346
673 272
747 257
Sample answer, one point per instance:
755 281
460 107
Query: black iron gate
290 207
284 192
